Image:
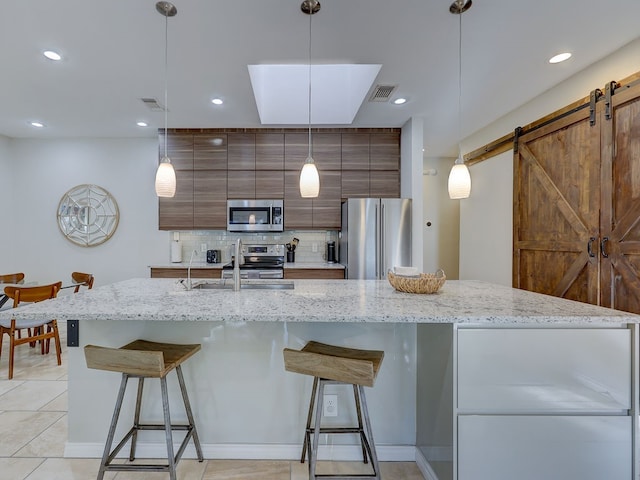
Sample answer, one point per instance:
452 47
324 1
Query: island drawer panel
544 447
522 370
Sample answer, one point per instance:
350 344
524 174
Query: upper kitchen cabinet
326 150
179 149
241 184
210 151
210 200
384 151
355 151
370 165
176 213
298 211
241 151
270 152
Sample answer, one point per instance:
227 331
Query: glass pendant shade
309 180
165 179
459 181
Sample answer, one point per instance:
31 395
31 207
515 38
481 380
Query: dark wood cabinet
241 151
210 200
314 273
269 184
241 184
270 151
215 164
165 272
298 211
177 213
210 151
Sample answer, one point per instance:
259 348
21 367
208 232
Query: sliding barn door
556 209
620 217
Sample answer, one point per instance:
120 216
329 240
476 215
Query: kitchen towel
406 271
176 251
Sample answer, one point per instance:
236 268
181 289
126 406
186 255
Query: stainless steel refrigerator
375 236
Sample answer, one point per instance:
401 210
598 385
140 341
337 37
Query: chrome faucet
237 260
189 286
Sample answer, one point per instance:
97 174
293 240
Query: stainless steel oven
255 215
260 261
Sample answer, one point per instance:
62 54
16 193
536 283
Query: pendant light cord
310 16
166 70
460 7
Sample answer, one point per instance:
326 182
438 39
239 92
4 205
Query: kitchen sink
245 286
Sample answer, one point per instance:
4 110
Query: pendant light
309 177
459 177
166 175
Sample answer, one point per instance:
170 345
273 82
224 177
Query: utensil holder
291 257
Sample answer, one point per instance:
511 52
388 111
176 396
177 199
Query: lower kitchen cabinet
544 403
525 447
165 272
530 402
314 273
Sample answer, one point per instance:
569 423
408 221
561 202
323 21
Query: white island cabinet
479 381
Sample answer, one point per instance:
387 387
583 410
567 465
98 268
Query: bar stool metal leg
371 447
187 406
313 449
363 438
307 434
112 428
136 420
167 428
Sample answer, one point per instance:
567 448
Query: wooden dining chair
12 278
36 328
82 280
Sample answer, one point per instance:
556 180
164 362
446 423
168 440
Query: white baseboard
386 453
424 467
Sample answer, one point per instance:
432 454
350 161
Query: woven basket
426 283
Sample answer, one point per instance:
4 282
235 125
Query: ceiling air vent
382 93
152 104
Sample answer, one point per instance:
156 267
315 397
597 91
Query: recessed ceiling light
142 124
561 57
217 101
36 124
51 55
400 101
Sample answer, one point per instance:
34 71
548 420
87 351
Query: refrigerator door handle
377 239
381 272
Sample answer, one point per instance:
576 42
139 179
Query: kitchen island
479 381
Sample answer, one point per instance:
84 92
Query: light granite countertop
320 301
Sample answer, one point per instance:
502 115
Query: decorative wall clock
88 215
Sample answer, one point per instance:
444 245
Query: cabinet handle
589 247
603 243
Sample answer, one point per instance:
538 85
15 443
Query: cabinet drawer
544 447
543 370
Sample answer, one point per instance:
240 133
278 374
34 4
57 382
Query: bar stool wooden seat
143 359
329 364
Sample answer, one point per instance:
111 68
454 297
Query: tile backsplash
311 248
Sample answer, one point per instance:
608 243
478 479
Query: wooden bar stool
142 359
329 364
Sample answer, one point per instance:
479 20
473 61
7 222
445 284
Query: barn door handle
603 244
589 247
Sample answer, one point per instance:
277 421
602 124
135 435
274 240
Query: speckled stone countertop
320 301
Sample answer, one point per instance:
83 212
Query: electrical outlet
330 405
203 247
314 247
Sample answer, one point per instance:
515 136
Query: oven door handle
275 273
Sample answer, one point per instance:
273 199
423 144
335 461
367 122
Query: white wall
43 170
486 218
6 194
411 145
441 237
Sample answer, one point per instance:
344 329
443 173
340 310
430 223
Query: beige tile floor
33 430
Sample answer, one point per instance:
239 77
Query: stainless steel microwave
255 215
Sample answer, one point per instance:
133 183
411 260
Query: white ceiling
114 55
